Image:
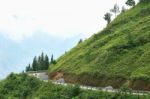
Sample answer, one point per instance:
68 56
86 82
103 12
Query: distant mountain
117 56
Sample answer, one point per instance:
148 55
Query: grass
121 50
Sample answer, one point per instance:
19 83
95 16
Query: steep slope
119 55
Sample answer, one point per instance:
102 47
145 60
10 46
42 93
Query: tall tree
130 2
34 64
52 58
107 17
42 56
46 62
39 62
115 9
42 61
28 68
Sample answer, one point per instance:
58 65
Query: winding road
43 75
101 89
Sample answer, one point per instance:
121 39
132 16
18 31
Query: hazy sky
28 27
20 19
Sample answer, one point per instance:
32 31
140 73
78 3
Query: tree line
40 63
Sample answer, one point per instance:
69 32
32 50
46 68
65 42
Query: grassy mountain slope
118 55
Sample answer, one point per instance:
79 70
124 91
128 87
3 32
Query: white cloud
20 19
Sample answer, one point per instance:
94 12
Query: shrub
144 0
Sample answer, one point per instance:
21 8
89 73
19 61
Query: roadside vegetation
22 86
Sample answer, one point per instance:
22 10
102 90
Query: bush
19 86
71 91
47 90
2 96
144 1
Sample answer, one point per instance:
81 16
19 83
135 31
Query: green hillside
118 55
22 86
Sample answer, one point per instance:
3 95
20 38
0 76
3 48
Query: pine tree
28 68
39 63
42 56
46 62
34 64
42 62
52 58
